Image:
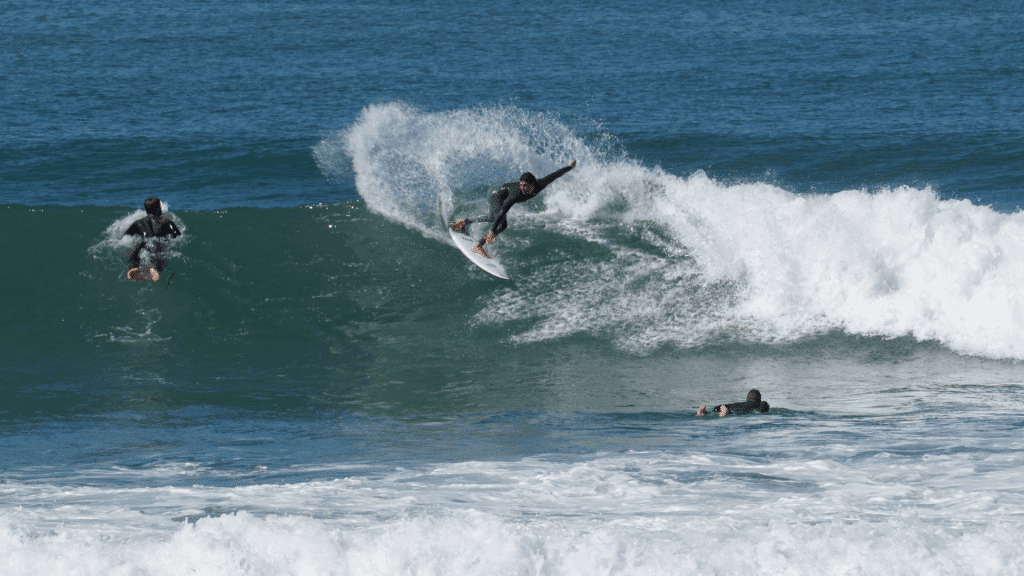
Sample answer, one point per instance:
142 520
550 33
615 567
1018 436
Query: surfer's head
527 182
153 207
754 396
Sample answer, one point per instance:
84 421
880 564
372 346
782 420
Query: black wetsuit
753 404
744 407
151 227
504 198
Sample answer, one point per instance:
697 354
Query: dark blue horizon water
818 200
218 104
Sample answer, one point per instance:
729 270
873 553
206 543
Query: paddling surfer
753 404
503 199
151 229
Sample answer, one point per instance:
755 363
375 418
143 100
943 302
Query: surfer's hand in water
722 411
459 225
489 238
702 410
572 164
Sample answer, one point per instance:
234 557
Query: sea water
814 200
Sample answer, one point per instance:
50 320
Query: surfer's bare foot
138 275
459 225
722 411
490 237
702 410
479 249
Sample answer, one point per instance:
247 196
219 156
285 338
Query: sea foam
831 508
471 542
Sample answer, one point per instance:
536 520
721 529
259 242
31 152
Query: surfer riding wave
502 200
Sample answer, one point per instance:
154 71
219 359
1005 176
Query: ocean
821 201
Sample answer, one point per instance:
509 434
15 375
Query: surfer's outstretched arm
543 182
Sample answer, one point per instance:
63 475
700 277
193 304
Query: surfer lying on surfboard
153 227
502 199
753 404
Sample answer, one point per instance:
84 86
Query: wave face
644 258
614 263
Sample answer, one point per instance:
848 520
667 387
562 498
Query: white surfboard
465 245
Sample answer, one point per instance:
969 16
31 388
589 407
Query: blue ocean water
818 201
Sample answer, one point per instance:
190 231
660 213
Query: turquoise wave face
333 307
280 309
